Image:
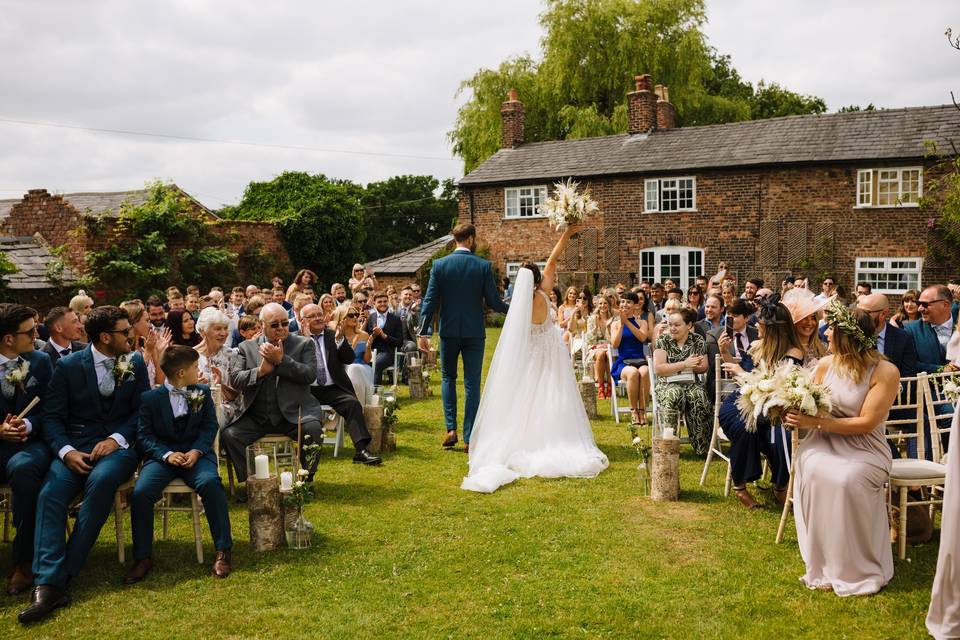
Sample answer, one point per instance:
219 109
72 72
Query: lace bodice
549 323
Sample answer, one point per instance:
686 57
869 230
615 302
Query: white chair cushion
910 469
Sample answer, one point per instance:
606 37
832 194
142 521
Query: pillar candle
286 481
262 463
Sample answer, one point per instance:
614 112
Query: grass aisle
403 552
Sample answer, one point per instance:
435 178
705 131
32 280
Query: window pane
910 187
864 195
686 193
512 209
892 275
888 188
669 198
651 195
647 269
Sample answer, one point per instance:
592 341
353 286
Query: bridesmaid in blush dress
842 464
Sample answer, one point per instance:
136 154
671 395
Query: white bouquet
801 392
568 206
758 394
950 388
770 392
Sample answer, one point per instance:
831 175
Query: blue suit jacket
157 433
931 355
899 348
459 285
35 386
76 415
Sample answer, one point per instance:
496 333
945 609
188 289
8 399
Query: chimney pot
643 82
512 95
642 106
512 121
666 114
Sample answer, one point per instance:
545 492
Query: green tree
405 211
591 51
6 268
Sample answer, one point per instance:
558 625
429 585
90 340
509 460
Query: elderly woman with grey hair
215 359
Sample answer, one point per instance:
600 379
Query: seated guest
597 338
393 299
305 279
893 342
156 313
840 495
728 291
176 302
778 342
361 280
252 290
712 316
81 304
299 302
278 296
681 351
332 386
804 309
577 324
932 332
732 341
671 305
347 324
248 328
147 341
274 374
237 300
750 289
176 430
628 333
339 292
24 456
417 299
908 311
409 318
386 334
327 306
567 306
191 304
695 300
183 327
252 308
64 328
89 423
216 359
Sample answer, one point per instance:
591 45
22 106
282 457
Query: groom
460 283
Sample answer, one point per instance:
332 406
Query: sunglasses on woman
352 315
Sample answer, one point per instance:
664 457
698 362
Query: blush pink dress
943 617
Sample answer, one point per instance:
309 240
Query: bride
531 420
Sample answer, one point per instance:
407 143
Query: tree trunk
588 392
665 478
266 517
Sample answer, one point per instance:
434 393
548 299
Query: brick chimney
642 106
511 116
666 114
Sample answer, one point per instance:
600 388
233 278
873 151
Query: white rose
636 440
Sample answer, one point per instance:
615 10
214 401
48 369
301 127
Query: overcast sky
375 78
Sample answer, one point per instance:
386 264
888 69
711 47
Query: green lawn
401 551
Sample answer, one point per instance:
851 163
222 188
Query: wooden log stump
429 358
389 443
418 386
373 416
266 515
588 392
665 476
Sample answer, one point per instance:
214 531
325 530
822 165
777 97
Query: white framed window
523 202
513 267
890 187
680 264
890 275
670 194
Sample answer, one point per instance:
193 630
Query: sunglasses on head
279 323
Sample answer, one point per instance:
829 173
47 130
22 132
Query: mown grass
402 552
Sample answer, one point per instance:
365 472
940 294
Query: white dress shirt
4 360
321 348
943 332
99 366
61 348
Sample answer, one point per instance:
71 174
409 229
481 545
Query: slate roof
890 134
106 202
409 261
31 258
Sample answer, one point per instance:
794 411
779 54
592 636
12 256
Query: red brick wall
807 216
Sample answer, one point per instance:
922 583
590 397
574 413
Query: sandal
635 417
745 498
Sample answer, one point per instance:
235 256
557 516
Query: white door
681 264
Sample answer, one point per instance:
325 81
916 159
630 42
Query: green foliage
591 51
6 268
856 107
260 264
946 226
156 243
404 212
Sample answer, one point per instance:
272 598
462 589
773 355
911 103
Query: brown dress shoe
221 564
138 571
466 448
451 440
19 579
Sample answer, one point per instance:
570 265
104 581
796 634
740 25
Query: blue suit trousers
450 351
24 466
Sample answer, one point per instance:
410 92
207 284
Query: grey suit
273 404
713 350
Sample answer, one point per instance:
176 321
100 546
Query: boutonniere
123 369
195 399
18 376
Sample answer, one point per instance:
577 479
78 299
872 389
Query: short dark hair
56 315
866 285
378 294
631 296
719 299
757 282
790 279
463 232
740 308
154 301
825 278
656 285
676 290
103 320
176 357
12 315
247 322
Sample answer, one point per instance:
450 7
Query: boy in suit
176 431
24 457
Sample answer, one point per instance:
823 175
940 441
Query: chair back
724 385
939 410
653 392
905 419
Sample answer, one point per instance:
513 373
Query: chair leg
902 529
165 501
338 438
195 509
706 464
728 481
118 522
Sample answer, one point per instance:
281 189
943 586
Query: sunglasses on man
279 323
923 304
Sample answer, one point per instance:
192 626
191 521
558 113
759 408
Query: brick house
408 266
835 194
76 223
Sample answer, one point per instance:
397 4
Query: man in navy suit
895 343
176 430
24 456
64 327
386 332
459 284
932 332
90 424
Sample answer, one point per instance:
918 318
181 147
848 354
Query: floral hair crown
840 317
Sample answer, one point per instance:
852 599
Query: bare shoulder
886 373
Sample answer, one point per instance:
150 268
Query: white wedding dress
531 420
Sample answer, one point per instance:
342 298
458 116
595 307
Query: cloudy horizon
366 93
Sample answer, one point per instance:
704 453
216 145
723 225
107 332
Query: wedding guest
305 279
64 331
681 351
864 288
274 373
567 306
277 295
555 296
943 614
696 301
804 310
216 358
628 333
750 289
333 386
248 327
81 304
176 302
155 312
360 371
670 306
251 291
577 325
386 335
89 423
787 284
777 343
192 305
176 430
183 327
893 342
728 292
731 342
410 318
908 311
721 275
237 300
416 296
146 340
844 463
658 295
361 280
597 338
828 289
24 457
339 293
932 332
712 316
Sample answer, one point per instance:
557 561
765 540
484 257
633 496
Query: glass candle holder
375 395
271 458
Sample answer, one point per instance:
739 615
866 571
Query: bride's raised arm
550 271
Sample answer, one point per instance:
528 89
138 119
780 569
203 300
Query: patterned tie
108 384
185 395
321 365
8 389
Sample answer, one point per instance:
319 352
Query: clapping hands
13 429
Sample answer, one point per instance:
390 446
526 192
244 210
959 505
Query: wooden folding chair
615 407
724 386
